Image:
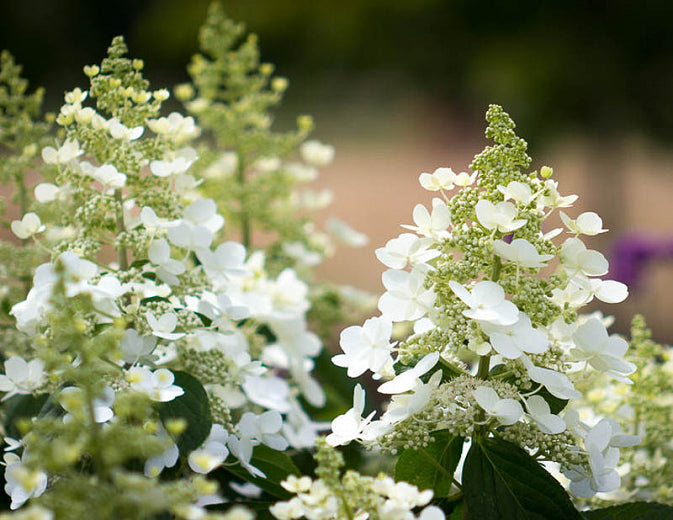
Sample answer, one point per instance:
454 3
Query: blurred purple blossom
632 254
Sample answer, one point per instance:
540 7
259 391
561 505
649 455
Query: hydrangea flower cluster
351 495
491 299
178 319
643 409
253 171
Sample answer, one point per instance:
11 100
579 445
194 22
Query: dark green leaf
193 407
276 465
633 511
22 406
431 467
503 482
457 512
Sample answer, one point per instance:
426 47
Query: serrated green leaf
503 482
431 467
193 407
632 511
276 465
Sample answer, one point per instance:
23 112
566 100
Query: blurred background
401 87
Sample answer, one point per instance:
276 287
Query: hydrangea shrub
160 362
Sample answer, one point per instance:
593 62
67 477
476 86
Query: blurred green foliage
560 66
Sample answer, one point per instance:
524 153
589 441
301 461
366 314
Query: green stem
484 366
246 238
121 250
96 441
23 207
497 266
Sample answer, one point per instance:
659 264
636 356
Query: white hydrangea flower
28 226
433 224
500 216
71 398
316 153
270 392
521 252
177 127
552 199
487 303
63 155
602 352
403 406
213 452
588 223
367 347
108 176
157 385
538 410
21 376
46 192
169 458
242 450
263 429
159 253
407 249
576 258
21 482
346 234
349 426
558 384
225 166
511 341
120 131
464 179
136 347
410 379
164 326
507 411
440 179
602 442
518 191
406 297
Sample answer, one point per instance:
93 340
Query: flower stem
245 218
121 250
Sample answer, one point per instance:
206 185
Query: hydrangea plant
149 361
156 367
484 380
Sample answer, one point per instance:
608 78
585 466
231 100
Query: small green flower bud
546 172
138 64
266 69
161 95
184 92
176 426
279 84
30 150
91 70
305 123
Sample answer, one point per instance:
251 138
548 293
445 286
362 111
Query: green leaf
276 465
193 407
431 467
632 511
503 482
457 512
19 407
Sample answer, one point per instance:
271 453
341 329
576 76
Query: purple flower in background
632 254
